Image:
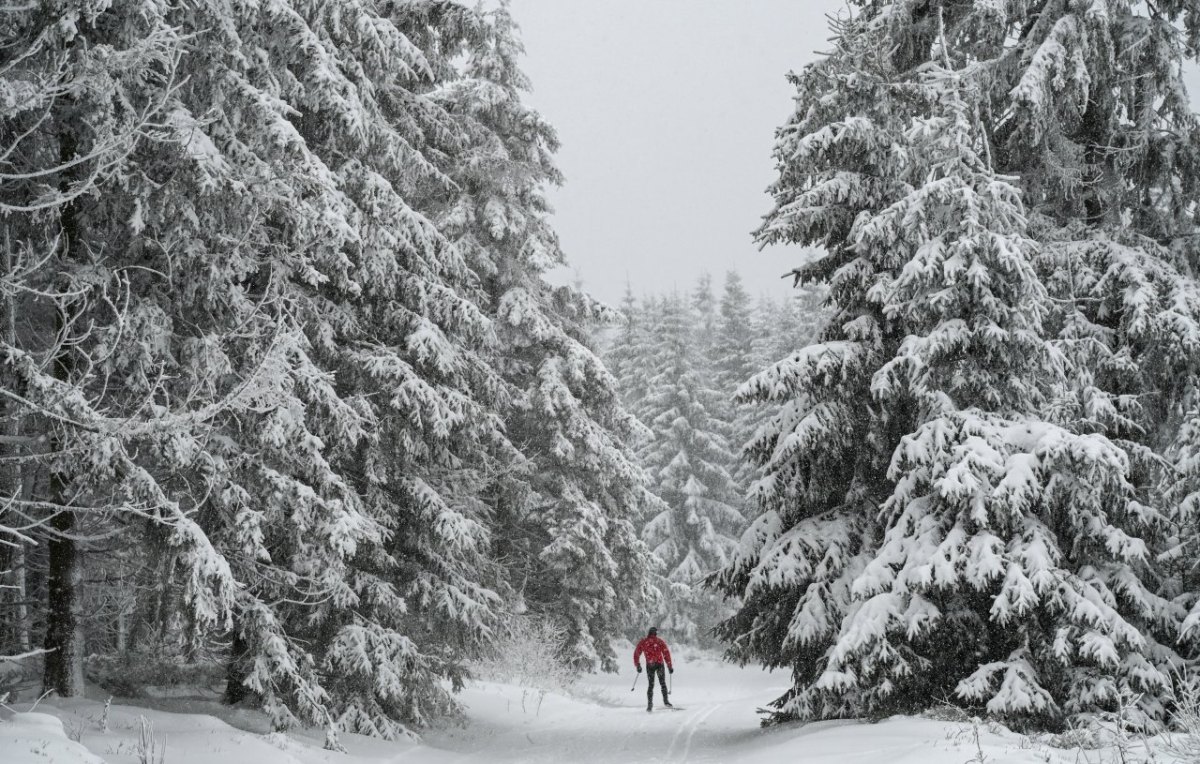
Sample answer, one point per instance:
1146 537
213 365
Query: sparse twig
979 757
74 729
43 696
150 750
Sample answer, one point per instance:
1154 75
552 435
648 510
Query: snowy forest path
601 720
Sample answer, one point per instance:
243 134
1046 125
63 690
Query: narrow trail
599 721
603 721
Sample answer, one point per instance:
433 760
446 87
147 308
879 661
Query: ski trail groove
678 732
687 743
690 725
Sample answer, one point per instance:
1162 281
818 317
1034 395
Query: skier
657 653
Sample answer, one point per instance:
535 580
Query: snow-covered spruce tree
733 344
925 532
564 516
781 327
761 350
1097 125
689 461
705 309
734 364
244 248
1104 138
224 259
401 328
260 243
628 354
185 390
89 91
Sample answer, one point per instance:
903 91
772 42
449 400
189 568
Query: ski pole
635 678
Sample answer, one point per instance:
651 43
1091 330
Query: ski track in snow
691 726
602 720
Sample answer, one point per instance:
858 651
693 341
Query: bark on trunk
20 589
11 472
236 673
122 633
63 671
63 668
149 597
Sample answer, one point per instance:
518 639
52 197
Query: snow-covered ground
599 720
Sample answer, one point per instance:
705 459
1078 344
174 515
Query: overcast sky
666 111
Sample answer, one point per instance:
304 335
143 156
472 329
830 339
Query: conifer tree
91 410
690 462
358 511
734 364
265 360
936 521
735 335
628 355
565 517
704 308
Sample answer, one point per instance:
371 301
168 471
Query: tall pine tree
937 521
245 333
565 517
690 463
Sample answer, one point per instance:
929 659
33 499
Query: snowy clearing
599 720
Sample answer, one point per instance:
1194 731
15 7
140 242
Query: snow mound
32 738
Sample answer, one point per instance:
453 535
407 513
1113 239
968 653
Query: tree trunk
147 613
11 484
122 633
236 673
21 592
63 671
63 668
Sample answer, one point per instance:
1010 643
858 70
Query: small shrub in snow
1124 729
18 678
531 653
979 757
1119 736
945 711
1082 738
129 677
1184 743
74 728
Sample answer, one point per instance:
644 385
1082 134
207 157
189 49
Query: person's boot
667 703
649 705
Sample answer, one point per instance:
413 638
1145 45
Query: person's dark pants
661 671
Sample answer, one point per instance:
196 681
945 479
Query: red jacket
656 652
